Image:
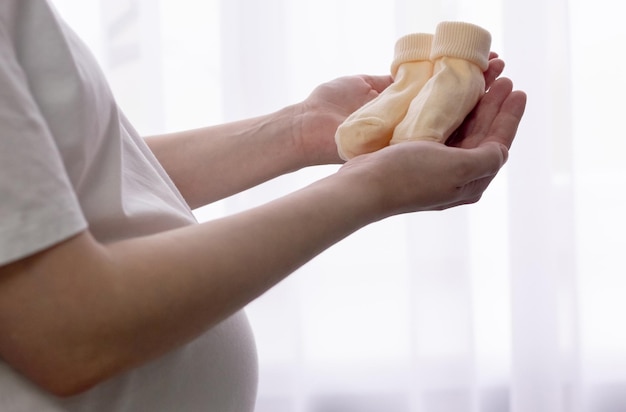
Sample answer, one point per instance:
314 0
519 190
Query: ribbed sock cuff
462 40
412 47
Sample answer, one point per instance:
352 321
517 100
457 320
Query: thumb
483 161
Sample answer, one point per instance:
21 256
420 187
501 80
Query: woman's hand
420 175
318 116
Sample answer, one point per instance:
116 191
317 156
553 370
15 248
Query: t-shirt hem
36 238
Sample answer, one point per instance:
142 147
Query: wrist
285 131
313 134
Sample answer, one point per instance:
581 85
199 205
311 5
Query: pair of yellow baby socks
438 79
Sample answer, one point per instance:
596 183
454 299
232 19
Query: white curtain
514 304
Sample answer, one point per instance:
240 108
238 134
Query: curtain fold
541 238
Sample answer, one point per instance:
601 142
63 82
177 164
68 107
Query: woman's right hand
419 176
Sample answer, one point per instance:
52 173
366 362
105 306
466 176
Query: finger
481 162
475 169
473 191
378 83
504 127
478 124
495 69
470 193
493 55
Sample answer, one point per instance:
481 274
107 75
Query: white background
513 304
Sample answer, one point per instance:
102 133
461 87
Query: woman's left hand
318 117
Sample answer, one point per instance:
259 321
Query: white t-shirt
69 160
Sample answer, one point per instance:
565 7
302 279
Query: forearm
116 306
211 163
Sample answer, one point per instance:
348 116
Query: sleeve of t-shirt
38 205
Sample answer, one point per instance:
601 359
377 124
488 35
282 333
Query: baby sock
460 55
370 128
